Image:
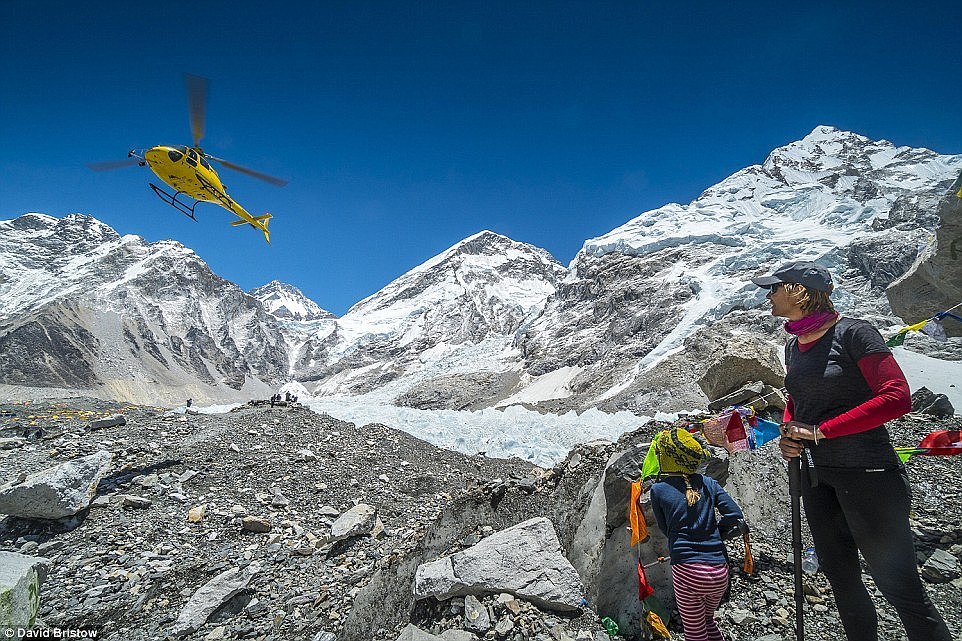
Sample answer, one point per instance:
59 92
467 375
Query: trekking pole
795 492
661 559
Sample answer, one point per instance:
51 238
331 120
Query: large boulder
758 395
357 521
525 560
925 401
934 283
210 596
601 548
20 579
56 492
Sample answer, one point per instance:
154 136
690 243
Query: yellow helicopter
187 170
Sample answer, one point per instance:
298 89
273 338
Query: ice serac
82 307
934 282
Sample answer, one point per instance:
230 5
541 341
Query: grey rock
210 596
476 615
21 577
413 633
940 406
925 401
136 502
56 492
941 567
503 627
109 421
357 521
524 559
12 442
931 284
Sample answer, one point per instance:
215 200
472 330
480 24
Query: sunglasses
774 288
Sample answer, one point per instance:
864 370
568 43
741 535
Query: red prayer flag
644 588
942 443
736 429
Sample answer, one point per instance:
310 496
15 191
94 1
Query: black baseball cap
806 273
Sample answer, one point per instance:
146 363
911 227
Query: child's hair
691 494
810 300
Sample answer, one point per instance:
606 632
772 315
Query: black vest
825 381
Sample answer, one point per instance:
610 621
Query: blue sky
404 127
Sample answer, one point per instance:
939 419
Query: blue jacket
693 532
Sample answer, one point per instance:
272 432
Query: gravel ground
127 567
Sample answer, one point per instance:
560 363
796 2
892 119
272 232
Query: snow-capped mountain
449 315
82 307
288 302
658 313
639 294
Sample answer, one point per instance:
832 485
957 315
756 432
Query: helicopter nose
154 154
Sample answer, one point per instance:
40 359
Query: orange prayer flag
639 528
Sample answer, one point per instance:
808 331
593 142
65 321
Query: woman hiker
843 385
684 504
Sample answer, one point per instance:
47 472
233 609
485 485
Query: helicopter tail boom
259 222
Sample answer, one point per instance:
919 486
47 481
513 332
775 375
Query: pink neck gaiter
809 323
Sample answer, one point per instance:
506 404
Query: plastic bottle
611 627
809 561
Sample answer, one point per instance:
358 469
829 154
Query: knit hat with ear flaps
678 451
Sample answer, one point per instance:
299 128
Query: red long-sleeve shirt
892 398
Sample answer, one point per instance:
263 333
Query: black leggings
855 510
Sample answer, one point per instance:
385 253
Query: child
684 504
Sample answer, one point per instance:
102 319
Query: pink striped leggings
699 588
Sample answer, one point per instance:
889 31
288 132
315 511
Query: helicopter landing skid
173 202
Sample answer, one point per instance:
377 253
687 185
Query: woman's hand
793 435
790 448
798 431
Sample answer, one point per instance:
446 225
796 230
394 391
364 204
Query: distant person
189 403
684 504
273 399
843 385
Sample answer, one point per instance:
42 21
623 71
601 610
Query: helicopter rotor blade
280 182
113 164
197 104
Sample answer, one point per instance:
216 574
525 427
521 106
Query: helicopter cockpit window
174 155
192 154
204 163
